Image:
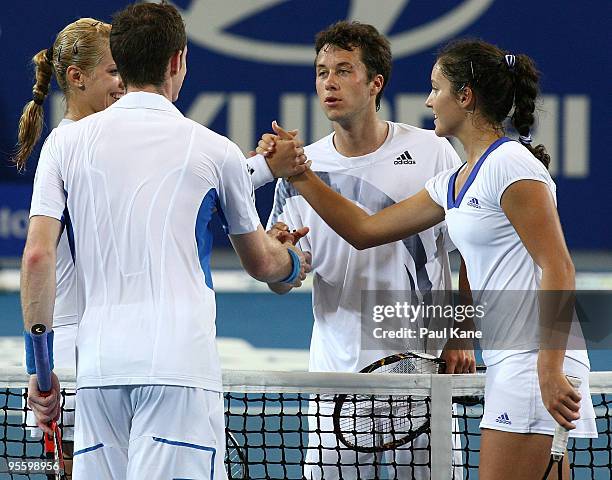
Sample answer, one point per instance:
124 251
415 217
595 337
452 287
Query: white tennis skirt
513 402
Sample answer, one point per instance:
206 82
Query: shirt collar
153 101
65 121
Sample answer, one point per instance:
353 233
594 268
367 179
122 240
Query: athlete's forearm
360 229
342 215
556 301
279 262
38 287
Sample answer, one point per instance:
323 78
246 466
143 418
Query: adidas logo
473 203
404 159
504 418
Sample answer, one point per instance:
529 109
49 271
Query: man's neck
162 90
360 138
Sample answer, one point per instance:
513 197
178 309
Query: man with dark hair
140 183
374 163
155 32
374 48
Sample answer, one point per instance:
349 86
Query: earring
82 86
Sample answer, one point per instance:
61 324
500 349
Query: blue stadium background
251 62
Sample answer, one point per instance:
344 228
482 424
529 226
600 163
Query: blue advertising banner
251 61
14 208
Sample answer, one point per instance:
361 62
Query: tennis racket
370 423
52 443
559 443
235 462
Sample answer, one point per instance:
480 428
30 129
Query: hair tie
38 100
510 61
525 139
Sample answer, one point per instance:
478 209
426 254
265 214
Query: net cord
324 383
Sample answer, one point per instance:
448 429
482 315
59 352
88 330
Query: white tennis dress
505 278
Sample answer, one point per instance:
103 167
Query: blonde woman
84 69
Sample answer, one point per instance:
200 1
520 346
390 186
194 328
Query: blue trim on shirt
224 224
69 230
192 445
450 198
88 449
204 234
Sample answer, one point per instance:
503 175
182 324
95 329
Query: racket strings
371 421
410 365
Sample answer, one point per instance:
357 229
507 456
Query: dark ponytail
499 80
526 92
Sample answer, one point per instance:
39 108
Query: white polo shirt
398 169
141 183
501 272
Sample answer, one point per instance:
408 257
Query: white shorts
64 356
327 458
513 402
149 431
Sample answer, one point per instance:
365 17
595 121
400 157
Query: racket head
235 460
371 423
407 362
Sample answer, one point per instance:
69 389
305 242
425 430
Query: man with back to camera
140 183
374 163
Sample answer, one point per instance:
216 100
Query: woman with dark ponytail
500 210
84 69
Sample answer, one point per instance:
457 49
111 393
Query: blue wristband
295 267
29 350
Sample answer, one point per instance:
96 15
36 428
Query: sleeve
513 164
259 170
285 211
236 203
48 197
437 187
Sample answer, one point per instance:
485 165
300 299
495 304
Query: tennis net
280 426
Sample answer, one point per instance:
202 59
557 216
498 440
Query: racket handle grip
559 443
41 356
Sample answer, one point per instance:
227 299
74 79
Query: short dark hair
375 48
497 84
143 38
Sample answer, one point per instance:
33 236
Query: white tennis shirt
398 169
500 270
141 182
